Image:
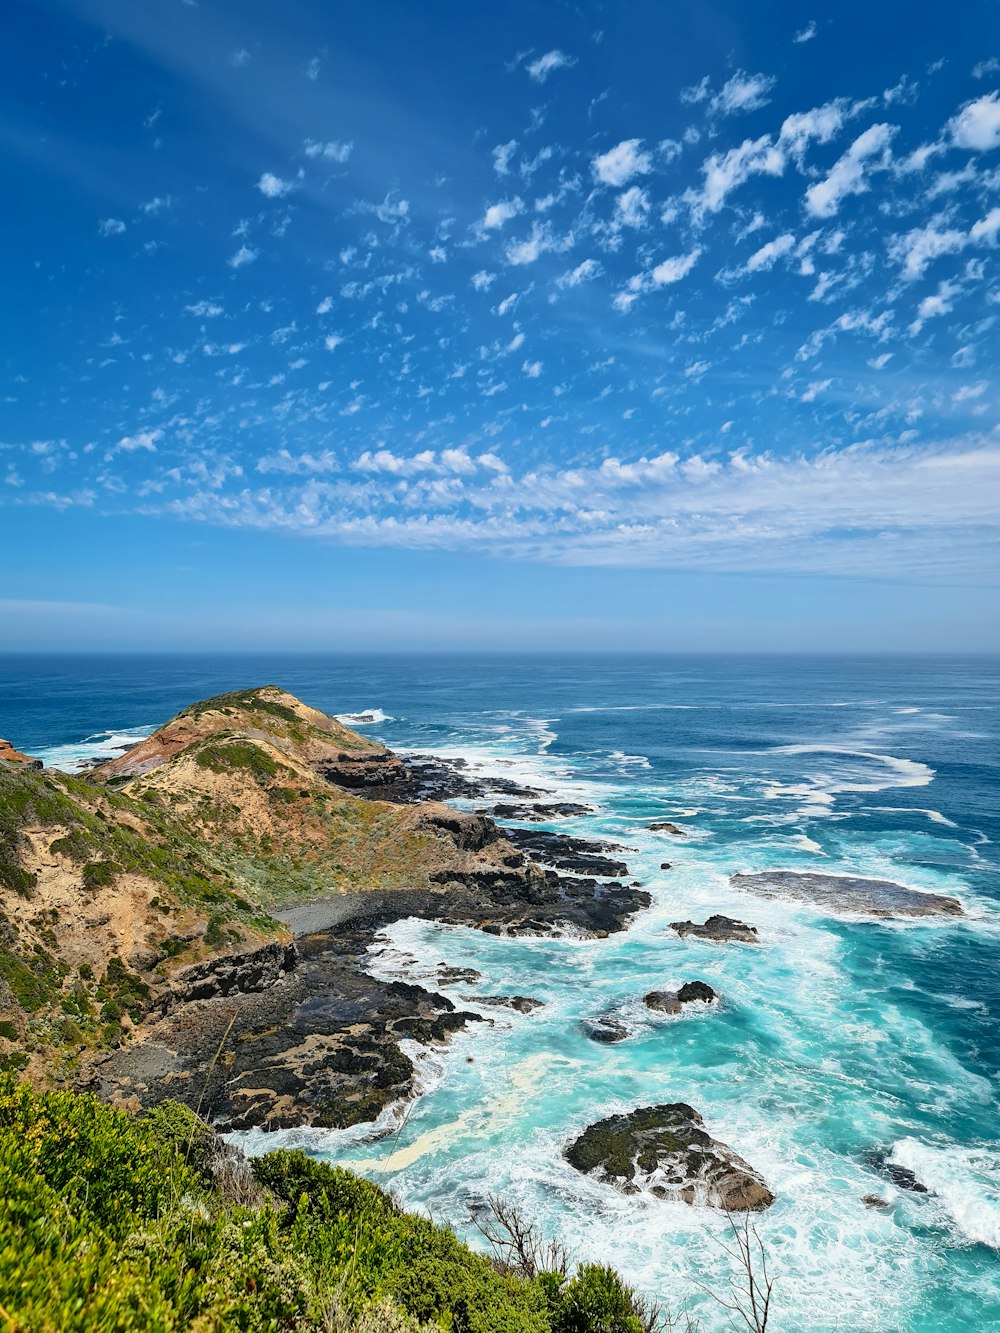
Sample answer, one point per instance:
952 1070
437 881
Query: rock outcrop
666 1151
664 826
721 929
673 1002
8 755
848 894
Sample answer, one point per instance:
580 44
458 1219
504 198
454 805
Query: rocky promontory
148 910
666 1151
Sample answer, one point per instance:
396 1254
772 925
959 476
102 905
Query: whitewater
846 1057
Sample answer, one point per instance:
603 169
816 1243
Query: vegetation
112 1222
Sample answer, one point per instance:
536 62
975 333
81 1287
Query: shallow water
834 1037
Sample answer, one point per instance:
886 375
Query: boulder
673 1002
721 929
666 1151
663 826
605 1029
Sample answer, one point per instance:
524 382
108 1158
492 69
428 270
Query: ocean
839 1044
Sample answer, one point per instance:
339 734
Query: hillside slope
151 880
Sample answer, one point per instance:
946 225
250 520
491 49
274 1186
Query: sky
528 325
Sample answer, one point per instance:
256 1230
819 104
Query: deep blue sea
835 1037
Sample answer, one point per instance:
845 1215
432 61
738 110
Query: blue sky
522 325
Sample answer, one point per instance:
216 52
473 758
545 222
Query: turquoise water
834 1038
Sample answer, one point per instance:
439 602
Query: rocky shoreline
310 1037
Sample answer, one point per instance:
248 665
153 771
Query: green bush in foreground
109 1223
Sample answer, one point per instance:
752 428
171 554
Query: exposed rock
696 990
848 893
8 755
663 826
524 1004
719 928
241 973
432 778
666 1151
470 833
663 1001
672 1002
578 856
537 814
451 976
665 865
902 1177
604 1029
874 1201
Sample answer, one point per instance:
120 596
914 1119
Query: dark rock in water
524 1004
696 990
665 865
666 1150
451 976
719 928
578 856
903 1178
663 1001
664 827
848 893
672 1002
430 778
604 1029
874 1201
537 814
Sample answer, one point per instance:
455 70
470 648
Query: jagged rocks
233 974
665 1151
673 1002
848 893
577 856
721 929
901 1176
538 813
663 826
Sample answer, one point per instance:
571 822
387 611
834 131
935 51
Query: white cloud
697 92
542 239
111 226
869 152
334 151
820 125
619 164
545 65
204 309
532 369
273 187
483 281
583 272
497 215
143 439
502 155
769 254
812 392
807 33
923 245
984 67
977 125
325 306
632 208
984 232
674 269
244 255
332 341
941 302
725 172
743 92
